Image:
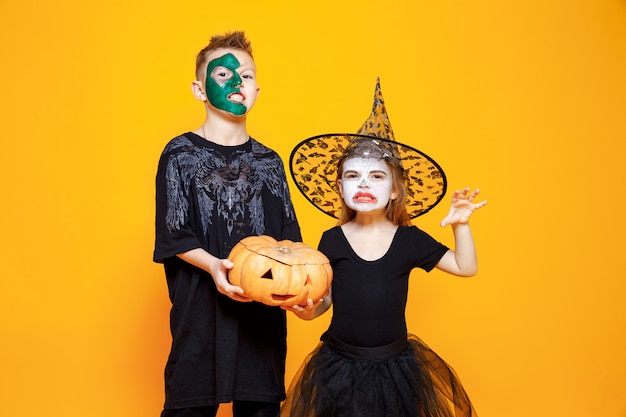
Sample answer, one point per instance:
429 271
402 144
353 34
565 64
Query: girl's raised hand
462 207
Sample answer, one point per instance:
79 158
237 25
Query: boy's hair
396 208
232 40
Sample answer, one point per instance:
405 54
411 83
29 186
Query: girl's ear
394 194
340 188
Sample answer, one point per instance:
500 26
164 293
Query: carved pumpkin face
281 273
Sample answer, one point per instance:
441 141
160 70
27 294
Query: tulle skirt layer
403 379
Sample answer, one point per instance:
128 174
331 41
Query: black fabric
255 409
240 409
376 353
210 411
211 196
414 383
369 297
366 365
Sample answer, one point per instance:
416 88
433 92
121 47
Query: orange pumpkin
279 273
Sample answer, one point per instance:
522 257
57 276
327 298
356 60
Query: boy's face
231 81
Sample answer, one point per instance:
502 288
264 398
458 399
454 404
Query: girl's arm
312 309
462 261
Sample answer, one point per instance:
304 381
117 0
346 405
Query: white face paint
366 184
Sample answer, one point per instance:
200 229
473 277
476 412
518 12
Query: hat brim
313 166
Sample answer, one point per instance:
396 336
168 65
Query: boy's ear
198 91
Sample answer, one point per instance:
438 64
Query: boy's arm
462 261
218 268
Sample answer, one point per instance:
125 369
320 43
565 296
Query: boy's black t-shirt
211 196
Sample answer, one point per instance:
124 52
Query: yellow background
525 100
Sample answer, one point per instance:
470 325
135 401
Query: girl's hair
231 40
396 208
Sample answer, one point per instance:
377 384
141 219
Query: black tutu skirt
405 378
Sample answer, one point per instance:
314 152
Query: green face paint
222 80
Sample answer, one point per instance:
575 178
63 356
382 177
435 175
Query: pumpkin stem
284 249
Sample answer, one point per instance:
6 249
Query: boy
214 186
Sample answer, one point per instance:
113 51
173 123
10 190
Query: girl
367 364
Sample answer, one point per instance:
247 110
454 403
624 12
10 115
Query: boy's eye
221 75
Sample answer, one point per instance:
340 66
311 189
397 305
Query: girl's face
366 184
